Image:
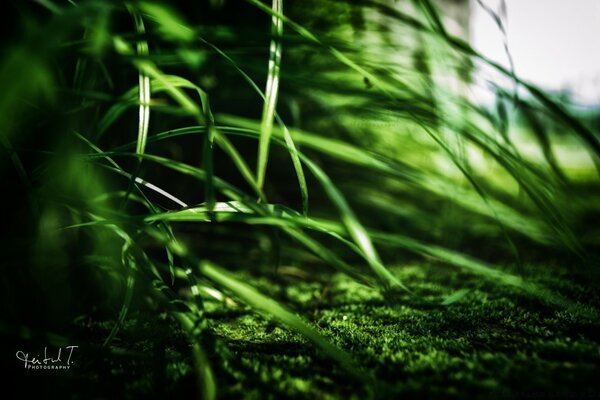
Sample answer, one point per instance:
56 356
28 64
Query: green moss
496 341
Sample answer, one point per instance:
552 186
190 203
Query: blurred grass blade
206 385
189 170
543 139
455 297
556 110
205 380
170 24
241 164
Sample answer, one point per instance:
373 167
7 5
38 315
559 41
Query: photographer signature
49 361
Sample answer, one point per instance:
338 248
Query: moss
496 342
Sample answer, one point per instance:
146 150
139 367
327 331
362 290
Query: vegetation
242 199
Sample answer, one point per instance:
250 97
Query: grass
133 134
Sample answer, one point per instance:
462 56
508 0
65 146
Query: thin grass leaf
143 85
271 92
205 380
286 133
144 99
117 168
149 69
129 263
270 215
207 151
273 309
499 19
358 233
241 165
455 297
308 35
544 141
172 84
171 25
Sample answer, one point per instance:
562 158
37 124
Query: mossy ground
494 343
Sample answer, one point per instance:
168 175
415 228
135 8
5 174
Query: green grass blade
205 379
170 24
543 139
271 92
289 141
272 308
286 134
356 230
266 214
207 151
148 68
143 52
186 169
308 35
143 85
172 85
241 164
117 168
128 262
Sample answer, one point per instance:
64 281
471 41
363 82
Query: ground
495 342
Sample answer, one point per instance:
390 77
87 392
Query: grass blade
272 308
143 85
286 133
271 93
